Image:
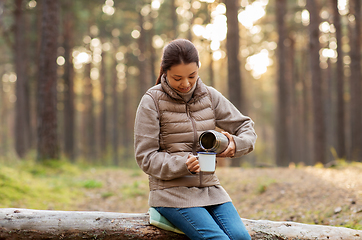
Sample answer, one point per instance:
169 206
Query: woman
169 120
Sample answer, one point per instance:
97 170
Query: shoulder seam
156 103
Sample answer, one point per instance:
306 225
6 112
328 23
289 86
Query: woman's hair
176 52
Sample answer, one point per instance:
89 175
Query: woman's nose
185 82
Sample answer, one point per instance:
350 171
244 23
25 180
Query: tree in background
108 46
319 139
48 147
355 82
236 95
22 118
68 78
282 134
340 113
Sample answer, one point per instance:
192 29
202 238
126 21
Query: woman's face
183 77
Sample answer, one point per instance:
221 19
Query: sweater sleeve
161 165
229 118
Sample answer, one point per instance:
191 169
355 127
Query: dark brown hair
176 52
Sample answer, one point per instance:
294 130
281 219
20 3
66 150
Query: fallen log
44 224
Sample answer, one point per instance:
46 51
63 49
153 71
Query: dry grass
306 194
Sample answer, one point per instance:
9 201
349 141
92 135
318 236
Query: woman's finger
193 164
230 150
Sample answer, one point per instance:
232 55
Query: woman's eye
177 79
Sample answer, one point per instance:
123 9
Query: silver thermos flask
213 141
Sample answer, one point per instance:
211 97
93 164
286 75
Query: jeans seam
182 214
220 223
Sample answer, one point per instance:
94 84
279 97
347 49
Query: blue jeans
210 222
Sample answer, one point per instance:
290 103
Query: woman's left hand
230 150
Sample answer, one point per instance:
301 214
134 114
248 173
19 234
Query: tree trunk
69 117
232 46
236 95
282 136
319 139
3 120
115 115
89 118
103 115
142 63
41 224
152 51
125 127
211 69
340 131
292 104
306 112
22 125
47 92
355 83
174 20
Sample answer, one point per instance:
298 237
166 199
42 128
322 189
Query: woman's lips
184 89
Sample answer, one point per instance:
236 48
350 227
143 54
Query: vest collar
199 92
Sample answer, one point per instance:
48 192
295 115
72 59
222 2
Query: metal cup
213 141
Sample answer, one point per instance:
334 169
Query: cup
207 161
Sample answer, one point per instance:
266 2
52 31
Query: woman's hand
192 164
230 150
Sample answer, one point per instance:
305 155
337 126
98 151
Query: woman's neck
186 96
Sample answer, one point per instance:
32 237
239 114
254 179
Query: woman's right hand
192 164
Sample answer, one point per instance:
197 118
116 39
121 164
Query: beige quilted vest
181 124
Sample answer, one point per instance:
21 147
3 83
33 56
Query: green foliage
263 184
25 186
91 184
107 194
354 225
137 188
50 168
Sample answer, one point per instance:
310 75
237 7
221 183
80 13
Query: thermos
213 141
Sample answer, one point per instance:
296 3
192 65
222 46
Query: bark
142 64
104 113
282 137
22 126
48 147
69 111
306 112
3 120
115 114
89 118
211 69
152 51
232 47
42 224
319 139
236 95
126 122
292 105
174 19
340 131
355 83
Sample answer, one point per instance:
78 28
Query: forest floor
328 196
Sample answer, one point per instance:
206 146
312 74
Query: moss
36 186
91 184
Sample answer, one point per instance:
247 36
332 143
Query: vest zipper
194 145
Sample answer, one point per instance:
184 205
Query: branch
43 224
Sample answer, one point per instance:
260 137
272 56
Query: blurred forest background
72 74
